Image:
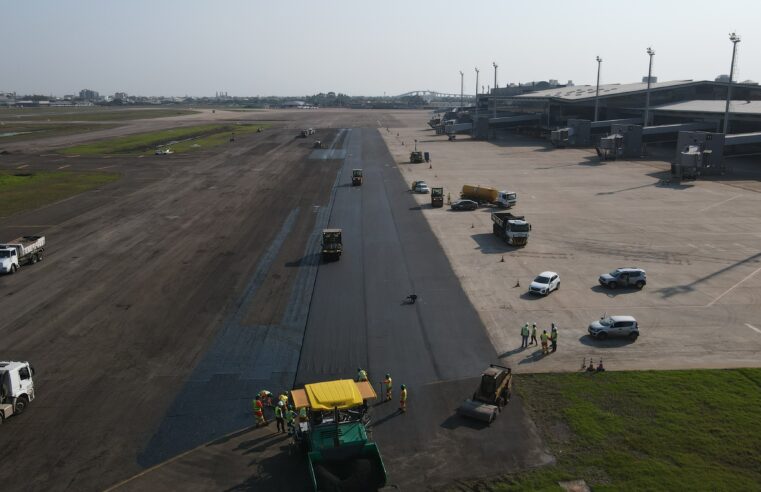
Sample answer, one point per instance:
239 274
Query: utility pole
476 120
735 39
597 92
462 86
495 88
651 53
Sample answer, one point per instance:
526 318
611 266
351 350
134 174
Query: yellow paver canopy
340 394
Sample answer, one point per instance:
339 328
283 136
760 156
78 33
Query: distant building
89 95
121 96
722 78
653 79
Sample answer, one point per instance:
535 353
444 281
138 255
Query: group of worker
285 415
545 338
388 384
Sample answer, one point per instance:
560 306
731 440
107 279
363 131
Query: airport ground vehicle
464 204
340 454
23 250
16 388
416 157
544 283
614 326
356 177
513 229
332 246
492 394
164 151
486 194
437 197
317 144
624 277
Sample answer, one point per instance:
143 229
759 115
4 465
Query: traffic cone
518 283
430 166
503 259
471 225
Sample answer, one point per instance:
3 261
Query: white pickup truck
16 388
23 250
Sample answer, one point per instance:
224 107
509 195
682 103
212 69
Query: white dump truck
23 250
16 388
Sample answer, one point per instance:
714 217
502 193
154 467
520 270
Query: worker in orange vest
389 384
259 411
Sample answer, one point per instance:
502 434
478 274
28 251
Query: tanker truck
486 194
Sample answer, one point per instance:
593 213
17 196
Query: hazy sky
194 47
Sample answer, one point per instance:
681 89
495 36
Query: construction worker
303 417
283 397
280 417
259 411
389 384
524 336
361 374
290 416
554 337
533 334
266 397
403 399
544 337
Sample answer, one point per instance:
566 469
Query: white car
544 283
422 188
614 326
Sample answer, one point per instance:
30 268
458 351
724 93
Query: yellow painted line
733 287
173 459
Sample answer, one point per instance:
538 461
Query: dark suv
624 277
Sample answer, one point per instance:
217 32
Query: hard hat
388 375
280 403
404 387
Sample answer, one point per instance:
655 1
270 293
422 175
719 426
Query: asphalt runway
437 347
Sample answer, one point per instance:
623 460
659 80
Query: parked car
624 277
545 283
464 204
614 326
422 188
416 183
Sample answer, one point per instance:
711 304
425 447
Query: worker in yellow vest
361 374
403 399
389 384
544 337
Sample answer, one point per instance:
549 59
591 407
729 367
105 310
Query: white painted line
64 166
692 245
752 327
733 287
106 167
22 166
719 203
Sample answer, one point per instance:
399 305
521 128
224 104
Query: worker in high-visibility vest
290 416
280 417
303 417
361 374
283 397
403 399
554 337
259 411
389 384
544 337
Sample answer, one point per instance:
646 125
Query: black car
464 204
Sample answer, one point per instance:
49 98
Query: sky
296 48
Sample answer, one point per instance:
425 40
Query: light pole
495 88
597 92
476 119
651 53
462 82
735 39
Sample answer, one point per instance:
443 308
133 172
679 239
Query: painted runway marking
719 203
752 327
733 287
106 167
22 166
64 166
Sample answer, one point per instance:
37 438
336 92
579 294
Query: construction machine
437 197
356 177
416 157
492 394
340 453
332 246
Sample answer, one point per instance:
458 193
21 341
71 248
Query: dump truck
340 453
513 229
356 177
26 250
332 246
16 388
416 157
487 194
437 197
492 394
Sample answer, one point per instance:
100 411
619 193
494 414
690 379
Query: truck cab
16 387
356 177
332 245
8 260
507 199
437 197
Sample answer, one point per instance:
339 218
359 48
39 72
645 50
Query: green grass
30 131
21 191
655 430
185 140
88 114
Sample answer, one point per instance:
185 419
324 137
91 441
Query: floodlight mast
475 122
651 52
597 92
494 64
734 38
462 82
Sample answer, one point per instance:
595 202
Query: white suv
545 283
614 326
